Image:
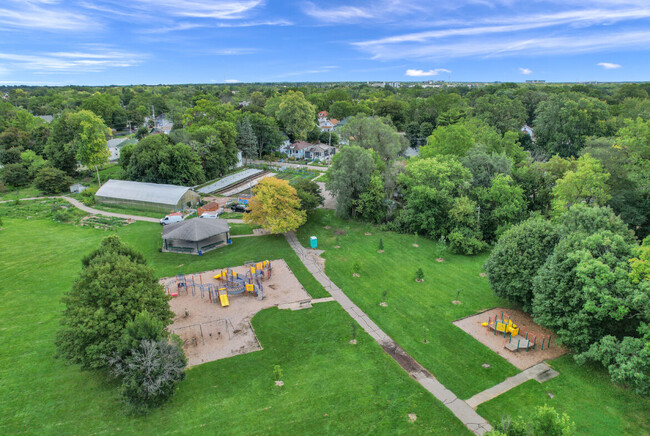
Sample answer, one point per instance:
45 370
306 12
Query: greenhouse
146 196
195 236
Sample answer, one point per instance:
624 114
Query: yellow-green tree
587 184
90 139
275 206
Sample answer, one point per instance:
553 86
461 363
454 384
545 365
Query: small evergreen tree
419 275
381 244
246 140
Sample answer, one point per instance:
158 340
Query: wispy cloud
377 10
77 62
255 23
231 81
422 73
318 70
525 71
43 16
513 45
219 9
608 65
234 51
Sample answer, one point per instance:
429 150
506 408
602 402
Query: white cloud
608 65
231 81
525 71
512 45
234 51
60 62
422 73
28 15
219 9
256 23
318 70
377 10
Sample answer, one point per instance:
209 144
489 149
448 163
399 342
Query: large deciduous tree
114 286
517 256
295 114
349 177
454 140
310 195
372 133
587 184
275 206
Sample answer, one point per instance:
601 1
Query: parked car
210 215
172 218
239 208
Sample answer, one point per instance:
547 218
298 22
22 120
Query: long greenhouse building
146 196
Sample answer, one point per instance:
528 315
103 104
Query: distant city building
535 81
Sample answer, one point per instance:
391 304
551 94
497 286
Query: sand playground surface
211 332
522 359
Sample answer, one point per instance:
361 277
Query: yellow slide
224 300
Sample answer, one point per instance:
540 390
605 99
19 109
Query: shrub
15 175
150 373
52 181
419 275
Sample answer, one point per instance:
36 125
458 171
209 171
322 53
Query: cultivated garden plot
210 331
538 350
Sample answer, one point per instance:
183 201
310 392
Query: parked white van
172 218
211 214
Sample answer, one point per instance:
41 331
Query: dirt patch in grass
522 359
210 331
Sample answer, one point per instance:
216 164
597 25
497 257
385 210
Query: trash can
313 242
200 253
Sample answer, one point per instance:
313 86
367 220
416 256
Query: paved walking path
540 372
90 210
290 164
316 266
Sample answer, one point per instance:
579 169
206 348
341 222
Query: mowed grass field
419 312
331 386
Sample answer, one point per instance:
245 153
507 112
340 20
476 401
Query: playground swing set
516 341
228 283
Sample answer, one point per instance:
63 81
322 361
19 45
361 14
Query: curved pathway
463 411
92 211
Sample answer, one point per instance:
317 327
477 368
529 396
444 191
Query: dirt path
316 266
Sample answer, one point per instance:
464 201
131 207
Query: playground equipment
516 342
228 283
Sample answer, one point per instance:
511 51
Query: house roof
334 121
299 145
145 192
320 147
195 229
322 113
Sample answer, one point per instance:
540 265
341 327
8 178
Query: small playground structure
226 282
517 342
218 325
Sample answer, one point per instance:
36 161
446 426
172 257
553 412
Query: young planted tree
275 206
310 195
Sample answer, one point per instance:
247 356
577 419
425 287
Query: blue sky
222 41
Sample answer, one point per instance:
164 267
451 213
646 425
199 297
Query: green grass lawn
24 192
231 216
418 309
583 392
241 229
128 210
331 386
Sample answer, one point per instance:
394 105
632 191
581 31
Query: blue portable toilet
313 242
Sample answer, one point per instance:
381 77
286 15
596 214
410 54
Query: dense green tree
89 139
267 133
52 181
465 237
517 257
373 133
484 166
10 155
501 112
114 286
634 140
103 105
310 195
587 184
371 205
502 205
246 140
15 175
430 186
349 177
543 421
156 159
295 114
453 140
583 291
564 121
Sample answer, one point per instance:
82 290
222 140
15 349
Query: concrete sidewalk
540 372
316 266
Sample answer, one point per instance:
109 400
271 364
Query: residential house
297 149
319 152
